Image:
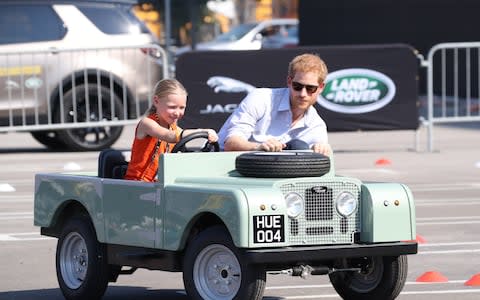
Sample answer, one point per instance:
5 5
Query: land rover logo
319 189
355 91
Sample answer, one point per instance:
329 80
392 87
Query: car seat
112 164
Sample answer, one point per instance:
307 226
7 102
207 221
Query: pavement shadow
112 293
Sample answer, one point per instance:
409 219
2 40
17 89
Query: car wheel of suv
81 262
48 138
213 269
90 138
381 278
282 164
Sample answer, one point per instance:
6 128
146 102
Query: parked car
283 39
64 64
224 219
246 36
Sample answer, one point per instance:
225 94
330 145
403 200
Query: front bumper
294 255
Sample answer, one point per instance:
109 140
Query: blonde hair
164 88
308 63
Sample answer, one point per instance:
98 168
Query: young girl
158 132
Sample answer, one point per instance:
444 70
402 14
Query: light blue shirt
265 113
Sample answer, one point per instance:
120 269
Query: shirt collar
285 101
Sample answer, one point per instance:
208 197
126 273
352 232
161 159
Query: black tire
382 279
282 164
229 277
81 262
49 139
90 138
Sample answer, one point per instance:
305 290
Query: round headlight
346 204
294 204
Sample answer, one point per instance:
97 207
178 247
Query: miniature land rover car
226 219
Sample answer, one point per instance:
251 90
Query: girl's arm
150 127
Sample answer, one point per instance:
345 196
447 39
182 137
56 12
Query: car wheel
49 139
81 262
213 269
84 103
282 164
381 278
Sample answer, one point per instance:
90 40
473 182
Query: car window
114 19
235 33
32 23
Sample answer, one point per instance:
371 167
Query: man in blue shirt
268 119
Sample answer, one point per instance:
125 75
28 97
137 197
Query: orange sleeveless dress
143 163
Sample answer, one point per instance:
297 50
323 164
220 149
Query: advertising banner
369 87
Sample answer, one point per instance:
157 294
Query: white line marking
443 189
372 170
16 213
441 292
429 283
449 251
314 286
15 218
24 200
405 293
448 199
448 223
448 244
448 204
449 218
18 237
461 184
7 216
311 296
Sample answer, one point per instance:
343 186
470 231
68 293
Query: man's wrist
258 147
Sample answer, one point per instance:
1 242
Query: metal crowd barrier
453 85
76 88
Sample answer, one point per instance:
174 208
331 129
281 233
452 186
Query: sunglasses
297 86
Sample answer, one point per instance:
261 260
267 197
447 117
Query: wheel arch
90 75
68 209
199 223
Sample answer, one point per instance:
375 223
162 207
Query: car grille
320 223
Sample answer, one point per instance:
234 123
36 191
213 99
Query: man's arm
239 143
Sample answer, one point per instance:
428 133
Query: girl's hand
212 135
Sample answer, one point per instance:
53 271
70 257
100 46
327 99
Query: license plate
269 229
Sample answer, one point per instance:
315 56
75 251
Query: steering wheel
181 146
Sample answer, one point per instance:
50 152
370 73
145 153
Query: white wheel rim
217 273
73 260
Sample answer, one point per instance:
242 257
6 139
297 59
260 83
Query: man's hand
322 148
271 145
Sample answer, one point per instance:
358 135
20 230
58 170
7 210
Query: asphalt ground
445 184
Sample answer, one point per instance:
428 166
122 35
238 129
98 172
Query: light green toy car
224 219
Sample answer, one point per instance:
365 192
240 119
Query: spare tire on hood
282 164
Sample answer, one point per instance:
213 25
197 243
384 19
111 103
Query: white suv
64 64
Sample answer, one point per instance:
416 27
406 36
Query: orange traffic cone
420 239
474 281
383 162
432 276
